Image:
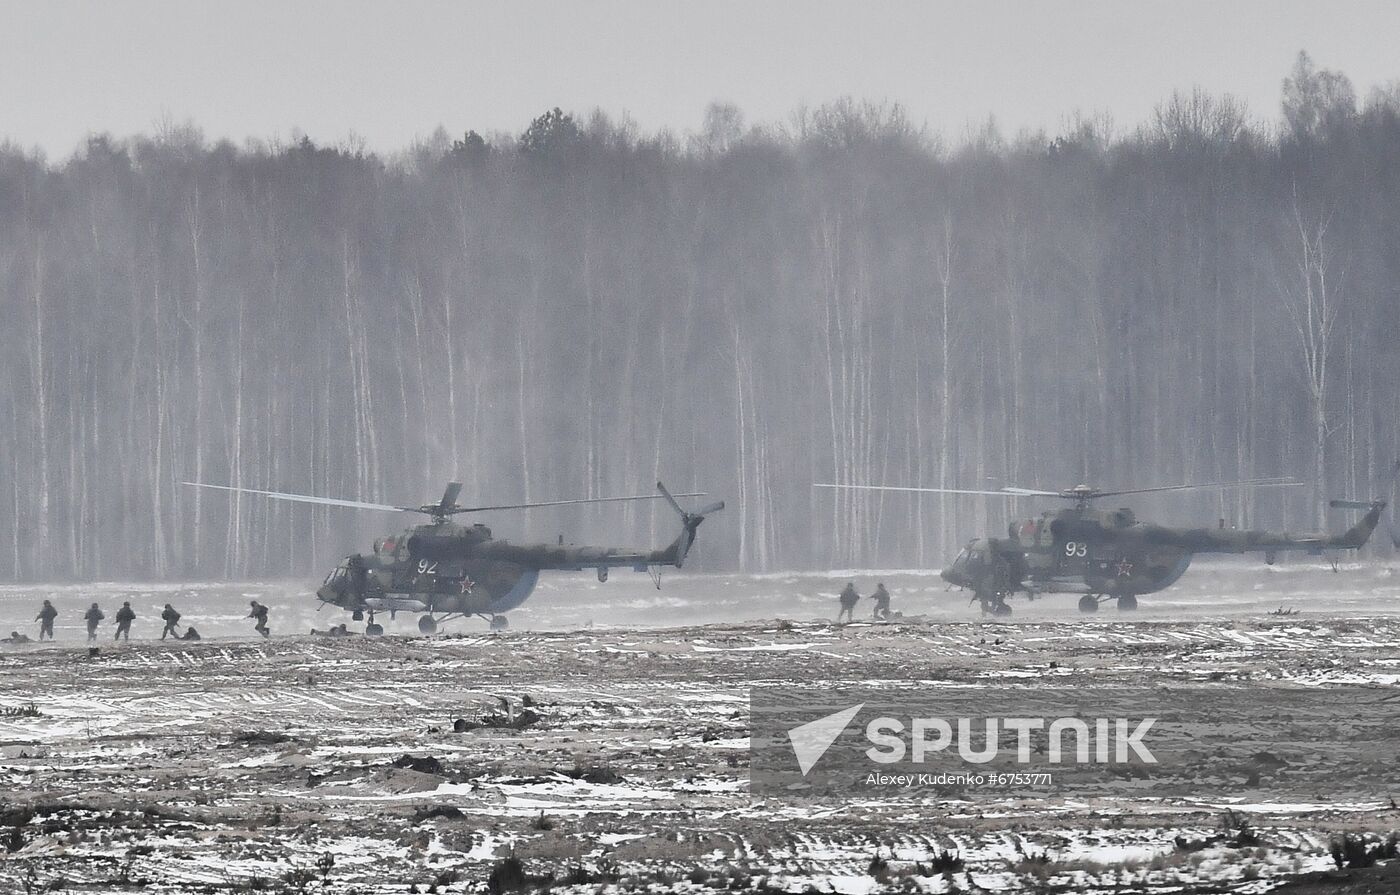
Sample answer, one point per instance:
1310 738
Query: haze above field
389 74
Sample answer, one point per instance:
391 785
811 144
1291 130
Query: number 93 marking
1076 548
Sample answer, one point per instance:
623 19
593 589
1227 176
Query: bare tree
1312 298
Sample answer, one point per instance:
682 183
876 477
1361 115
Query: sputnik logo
811 740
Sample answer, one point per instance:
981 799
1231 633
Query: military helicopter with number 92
446 570
1109 554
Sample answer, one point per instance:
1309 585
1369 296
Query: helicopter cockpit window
337 574
388 546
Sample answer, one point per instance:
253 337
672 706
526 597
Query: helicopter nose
954 575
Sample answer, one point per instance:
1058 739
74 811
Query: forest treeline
581 309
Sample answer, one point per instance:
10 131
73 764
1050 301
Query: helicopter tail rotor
1389 492
1379 504
1359 534
660 486
1351 504
690 523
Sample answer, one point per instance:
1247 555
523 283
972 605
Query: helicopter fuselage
442 568
446 569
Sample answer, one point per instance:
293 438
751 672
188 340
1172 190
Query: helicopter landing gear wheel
374 629
498 622
1127 603
427 625
1088 603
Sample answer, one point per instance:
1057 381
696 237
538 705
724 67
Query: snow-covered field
237 764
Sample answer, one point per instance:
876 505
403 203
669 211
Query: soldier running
125 616
172 618
259 612
45 619
849 599
93 617
882 602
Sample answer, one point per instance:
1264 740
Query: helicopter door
1074 557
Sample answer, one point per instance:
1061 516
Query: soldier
849 599
190 634
93 617
359 576
17 638
882 602
45 619
259 612
125 616
172 618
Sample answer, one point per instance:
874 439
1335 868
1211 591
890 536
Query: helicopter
446 570
1110 554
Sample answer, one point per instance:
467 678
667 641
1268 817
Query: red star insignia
1125 568
467 585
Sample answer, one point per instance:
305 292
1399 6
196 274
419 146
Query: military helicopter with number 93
1109 554
446 570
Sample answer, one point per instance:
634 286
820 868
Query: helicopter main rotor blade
1005 492
1275 482
560 503
431 509
306 498
449 495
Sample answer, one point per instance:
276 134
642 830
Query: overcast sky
390 72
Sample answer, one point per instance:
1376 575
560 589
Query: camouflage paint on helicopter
1110 555
446 570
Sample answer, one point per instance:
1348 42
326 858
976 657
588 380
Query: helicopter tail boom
568 557
1209 540
1355 538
